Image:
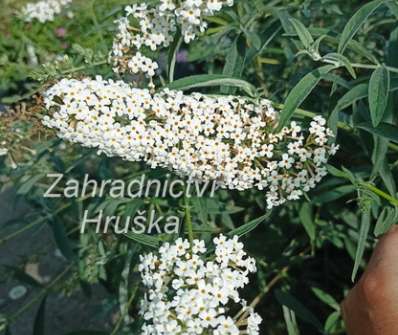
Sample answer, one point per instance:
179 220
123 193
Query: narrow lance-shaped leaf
379 88
388 177
326 298
303 33
307 221
363 235
380 148
284 17
144 239
39 325
286 299
332 322
208 80
62 240
384 130
387 218
341 60
300 92
250 226
234 62
393 6
355 23
290 320
353 95
172 57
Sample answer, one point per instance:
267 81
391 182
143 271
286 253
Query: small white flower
174 303
286 162
156 28
44 10
225 139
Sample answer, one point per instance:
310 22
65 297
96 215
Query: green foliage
379 89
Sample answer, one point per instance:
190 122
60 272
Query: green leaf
234 62
384 130
363 235
332 195
380 228
392 48
388 177
306 218
355 23
62 240
337 80
290 320
253 39
353 95
356 93
342 61
172 57
326 298
27 186
316 45
284 17
333 122
250 226
379 88
132 207
199 205
39 324
387 218
332 323
144 239
209 80
300 92
303 33
392 4
336 172
286 299
380 148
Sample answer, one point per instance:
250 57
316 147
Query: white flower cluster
154 27
44 10
3 151
189 294
226 139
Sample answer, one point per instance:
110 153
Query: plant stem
20 231
188 220
373 67
374 189
244 311
80 68
173 61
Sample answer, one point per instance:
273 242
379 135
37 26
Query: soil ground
34 251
